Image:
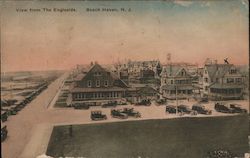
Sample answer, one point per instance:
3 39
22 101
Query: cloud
184 3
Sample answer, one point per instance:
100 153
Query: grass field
173 138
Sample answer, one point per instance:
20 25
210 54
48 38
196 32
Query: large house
135 67
97 86
222 81
176 82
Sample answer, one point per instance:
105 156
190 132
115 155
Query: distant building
147 74
136 94
176 79
135 67
97 86
123 74
222 81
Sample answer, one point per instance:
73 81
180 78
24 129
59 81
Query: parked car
145 102
80 106
131 112
4 116
13 111
203 100
97 115
201 109
4 133
122 103
186 110
236 108
110 104
161 101
17 108
222 108
19 105
118 114
171 109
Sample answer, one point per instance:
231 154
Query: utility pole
176 99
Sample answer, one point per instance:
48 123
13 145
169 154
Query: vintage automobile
118 114
122 103
13 111
97 115
236 108
184 109
203 100
17 108
201 109
11 101
171 109
4 133
222 108
161 101
4 116
19 105
80 106
131 112
145 102
109 104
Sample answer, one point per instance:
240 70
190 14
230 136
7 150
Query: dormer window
89 83
182 73
232 71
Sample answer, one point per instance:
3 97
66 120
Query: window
232 71
97 83
206 88
97 73
206 80
106 83
238 80
172 82
217 80
89 83
165 81
238 90
230 80
182 73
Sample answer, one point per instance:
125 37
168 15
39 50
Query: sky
190 30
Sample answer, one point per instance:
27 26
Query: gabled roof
173 70
218 70
99 68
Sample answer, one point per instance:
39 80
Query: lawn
183 137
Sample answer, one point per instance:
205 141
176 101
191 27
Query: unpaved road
30 129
